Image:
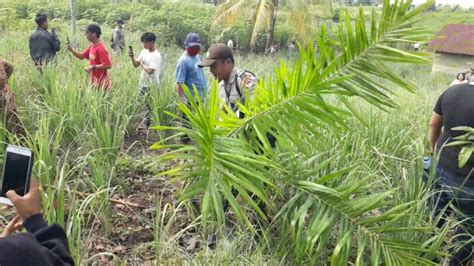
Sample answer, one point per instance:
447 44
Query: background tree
73 17
264 15
263 12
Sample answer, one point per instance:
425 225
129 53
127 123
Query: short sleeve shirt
151 60
119 37
456 107
240 83
98 54
188 73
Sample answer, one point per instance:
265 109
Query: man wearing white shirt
150 61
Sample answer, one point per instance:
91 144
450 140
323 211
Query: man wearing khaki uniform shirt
234 84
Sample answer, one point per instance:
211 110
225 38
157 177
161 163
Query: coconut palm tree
321 212
264 14
73 17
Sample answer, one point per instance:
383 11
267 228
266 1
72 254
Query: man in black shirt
455 107
42 244
43 44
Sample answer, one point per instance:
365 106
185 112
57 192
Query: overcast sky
463 3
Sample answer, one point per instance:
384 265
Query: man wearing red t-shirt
98 56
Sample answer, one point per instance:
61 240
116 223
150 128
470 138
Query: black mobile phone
130 48
67 40
17 168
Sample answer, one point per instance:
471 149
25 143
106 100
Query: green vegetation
343 185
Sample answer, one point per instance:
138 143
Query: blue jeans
459 192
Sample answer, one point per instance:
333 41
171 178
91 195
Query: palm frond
229 11
352 65
263 13
231 159
223 167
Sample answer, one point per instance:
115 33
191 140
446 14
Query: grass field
89 156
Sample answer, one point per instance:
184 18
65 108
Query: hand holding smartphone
68 43
130 51
16 176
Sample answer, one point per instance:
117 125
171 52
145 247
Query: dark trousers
145 92
451 190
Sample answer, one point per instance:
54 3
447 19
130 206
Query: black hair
148 37
120 21
41 18
463 75
95 28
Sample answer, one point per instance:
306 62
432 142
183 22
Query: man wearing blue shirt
187 70
190 74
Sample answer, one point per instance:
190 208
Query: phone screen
15 173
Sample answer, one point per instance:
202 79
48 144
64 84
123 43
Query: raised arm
76 53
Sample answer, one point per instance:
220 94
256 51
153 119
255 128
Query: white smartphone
17 168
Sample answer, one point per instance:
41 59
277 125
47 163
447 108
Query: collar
233 75
40 28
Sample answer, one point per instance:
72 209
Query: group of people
453 108
189 70
461 78
48 245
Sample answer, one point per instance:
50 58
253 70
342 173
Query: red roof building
454 49
455 39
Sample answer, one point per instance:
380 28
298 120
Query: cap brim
207 62
192 44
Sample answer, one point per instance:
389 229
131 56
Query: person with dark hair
118 37
150 61
43 44
231 43
235 85
454 183
98 56
273 49
41 244
460 79
292 49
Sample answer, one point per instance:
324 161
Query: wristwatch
93 67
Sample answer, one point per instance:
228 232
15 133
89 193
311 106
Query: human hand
14 225
89 69
130 53
28 205
68 44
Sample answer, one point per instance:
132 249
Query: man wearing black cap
234 84
98 56
43 44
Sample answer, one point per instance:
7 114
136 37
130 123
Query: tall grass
78 138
